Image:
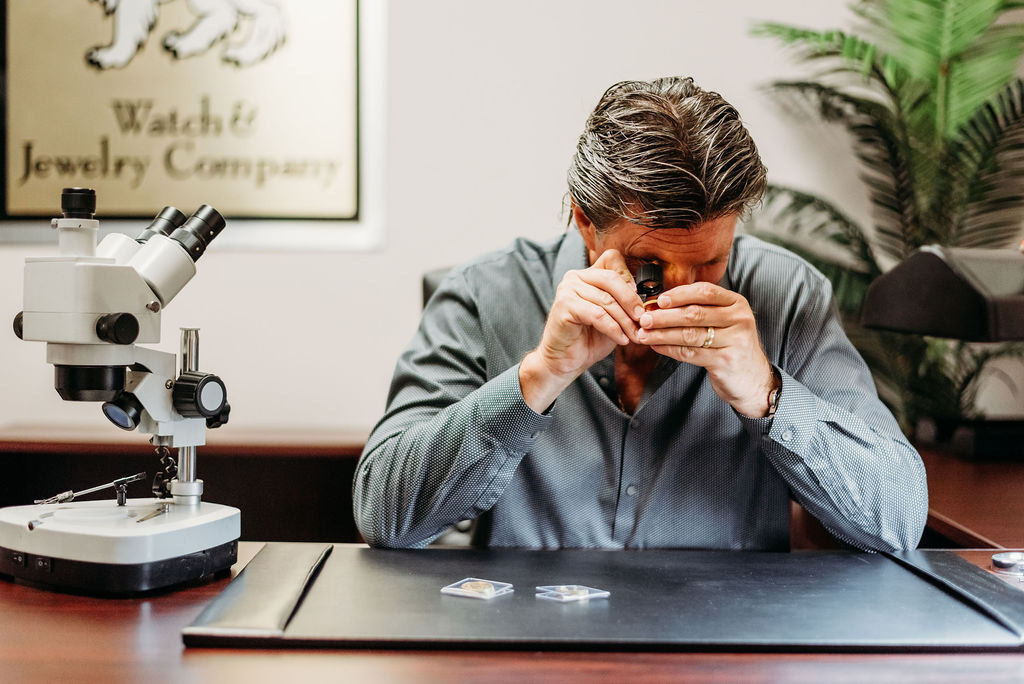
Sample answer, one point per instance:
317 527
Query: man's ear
585 226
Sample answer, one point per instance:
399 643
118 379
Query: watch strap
775 393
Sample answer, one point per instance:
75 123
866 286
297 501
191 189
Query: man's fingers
607 302
686 337
612 283
707 294
612 260
597 317
691 316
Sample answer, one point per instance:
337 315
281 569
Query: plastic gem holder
565 593
474 587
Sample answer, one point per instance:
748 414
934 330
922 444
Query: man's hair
664 154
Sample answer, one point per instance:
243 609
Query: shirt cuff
506 416
793 422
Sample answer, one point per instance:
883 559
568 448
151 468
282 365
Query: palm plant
931 99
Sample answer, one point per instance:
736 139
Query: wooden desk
46 636
975 504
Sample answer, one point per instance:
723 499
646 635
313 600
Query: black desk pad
660 600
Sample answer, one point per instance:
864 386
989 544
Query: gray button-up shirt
459 442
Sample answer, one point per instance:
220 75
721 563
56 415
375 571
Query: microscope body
93 309
94 305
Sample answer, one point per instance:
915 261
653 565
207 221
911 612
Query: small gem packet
565 593
474 587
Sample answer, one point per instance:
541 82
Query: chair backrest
431 279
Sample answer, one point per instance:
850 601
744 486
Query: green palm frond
801 215
797 220
852 54
882 151
968 363
986 165
957 48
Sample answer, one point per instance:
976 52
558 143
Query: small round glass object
650 280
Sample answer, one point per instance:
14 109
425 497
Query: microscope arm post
189 362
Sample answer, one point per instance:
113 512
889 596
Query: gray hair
664 154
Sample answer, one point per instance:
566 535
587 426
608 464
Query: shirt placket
627 508
636 455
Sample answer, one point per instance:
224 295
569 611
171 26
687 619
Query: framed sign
252 106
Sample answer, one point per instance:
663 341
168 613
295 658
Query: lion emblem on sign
215 21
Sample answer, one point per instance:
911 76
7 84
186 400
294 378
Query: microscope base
99 547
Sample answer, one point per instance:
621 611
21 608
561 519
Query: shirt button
787 435
603 381
631 490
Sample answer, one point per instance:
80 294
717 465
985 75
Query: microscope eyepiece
78 203
199 231
166 222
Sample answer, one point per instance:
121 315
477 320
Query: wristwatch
775 394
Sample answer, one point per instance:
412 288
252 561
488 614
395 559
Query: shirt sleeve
835 443
452 436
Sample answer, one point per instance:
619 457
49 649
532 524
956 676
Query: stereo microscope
92 305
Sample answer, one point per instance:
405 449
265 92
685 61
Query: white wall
485 101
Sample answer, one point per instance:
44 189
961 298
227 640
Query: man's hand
594 310
712 327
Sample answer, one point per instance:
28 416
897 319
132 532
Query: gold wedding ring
709 338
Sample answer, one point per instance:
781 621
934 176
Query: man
540 398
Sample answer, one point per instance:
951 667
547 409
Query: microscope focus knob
199 395
117 328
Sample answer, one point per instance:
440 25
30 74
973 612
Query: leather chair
431 279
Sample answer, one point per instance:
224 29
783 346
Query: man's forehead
638 226
706 237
